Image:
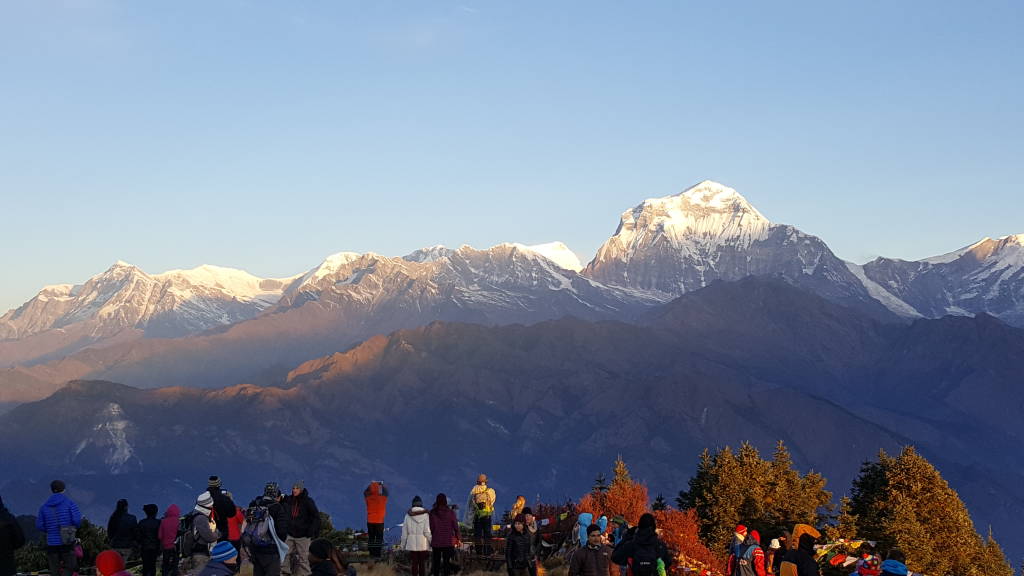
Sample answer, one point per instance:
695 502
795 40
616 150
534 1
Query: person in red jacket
376 496
235 526
168 532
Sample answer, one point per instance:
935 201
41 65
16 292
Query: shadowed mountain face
542 408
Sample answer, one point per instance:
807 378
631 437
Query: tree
905 503
624 497
600 483
731 488
680 530
659 503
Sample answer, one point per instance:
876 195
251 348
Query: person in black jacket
303 526
518 549
223 507
123 530
11 538
265 558
149 539
643 548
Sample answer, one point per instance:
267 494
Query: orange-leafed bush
679 529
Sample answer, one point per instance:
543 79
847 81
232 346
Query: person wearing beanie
167 534
803 557
149 539
416 536
444 536
268 552
223 560
324 558
59 518
739 535
644 549
376 497
223 507
110 563
517 548
619 529
479 510
533 531
11 538
594 558
123 530
204 531
749 558
303 526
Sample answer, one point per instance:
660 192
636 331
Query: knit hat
756 536
741 529
775 545
272 490
299 485
214 482
320 548
417 501
647 522
527 510
109 562
620 520
223 551
204 502
57 486
593 528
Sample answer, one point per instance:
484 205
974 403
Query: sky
268 135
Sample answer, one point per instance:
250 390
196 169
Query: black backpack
645 560
185 539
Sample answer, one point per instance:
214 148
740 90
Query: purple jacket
444 527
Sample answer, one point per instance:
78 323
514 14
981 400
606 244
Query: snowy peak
558 253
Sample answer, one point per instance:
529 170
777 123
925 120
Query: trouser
169 565
265 563
482 534
297 561
418 562
375 539
441 561
533 567
57 556
126 554
149 562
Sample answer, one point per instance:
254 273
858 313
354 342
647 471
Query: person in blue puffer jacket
895 564
55 515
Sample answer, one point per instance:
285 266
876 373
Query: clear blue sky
267 135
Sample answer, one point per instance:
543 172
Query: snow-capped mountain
709 232
504 283
985 277
123 298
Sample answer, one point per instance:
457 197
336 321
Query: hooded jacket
644 538
894 568
304 517
376 496
444 527
11 538
416 534
57 511
169 527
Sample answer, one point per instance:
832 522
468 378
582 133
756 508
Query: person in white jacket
416 537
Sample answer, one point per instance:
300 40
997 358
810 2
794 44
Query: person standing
149 539
533 531
167 534
517 549
594 558
479 511
123 530
303 526
59 518
444 536
376 496
204 533
235 527
416 536
263 546
644 549
223 507
11 538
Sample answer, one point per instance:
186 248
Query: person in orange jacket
376 496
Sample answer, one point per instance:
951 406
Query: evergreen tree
905 503
600 483
659 503
731 488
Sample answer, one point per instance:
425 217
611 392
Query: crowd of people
279 535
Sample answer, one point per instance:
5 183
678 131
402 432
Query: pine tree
621 471
600 483
659 503
905 503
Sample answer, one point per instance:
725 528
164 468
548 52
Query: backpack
257 528
645 561
186 537
482 505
